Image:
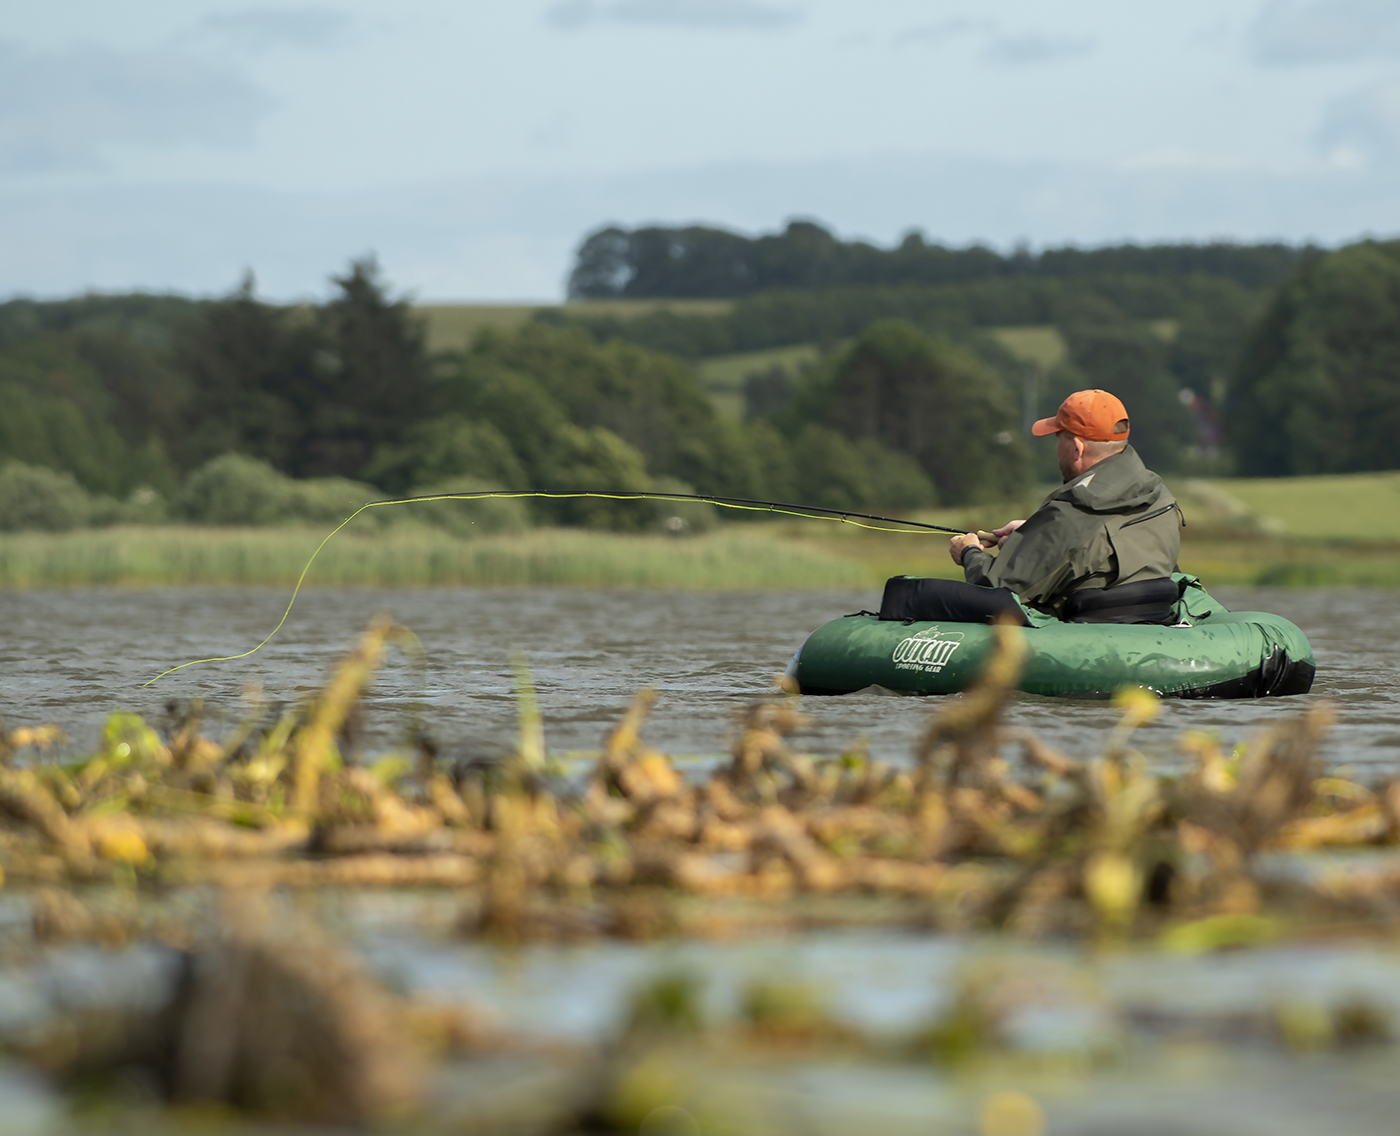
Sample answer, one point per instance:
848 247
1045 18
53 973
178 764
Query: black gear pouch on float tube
918 599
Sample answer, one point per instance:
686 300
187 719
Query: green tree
897 481
87 404
1318 387
32 497
373 370
829 470
922 396
1215 324
595 460
440 449
252 366
532 383
313 392
777 476
698 260
144 320
234 489
544 410
832 471
1111 352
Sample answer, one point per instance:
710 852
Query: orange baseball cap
1094 415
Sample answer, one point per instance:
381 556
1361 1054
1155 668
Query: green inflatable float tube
1210 653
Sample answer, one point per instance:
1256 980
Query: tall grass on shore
410 556
1292 564
793 555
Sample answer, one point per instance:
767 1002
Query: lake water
74 656
1194 1048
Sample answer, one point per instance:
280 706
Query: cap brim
1046 426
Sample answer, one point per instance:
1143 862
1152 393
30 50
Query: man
1111 525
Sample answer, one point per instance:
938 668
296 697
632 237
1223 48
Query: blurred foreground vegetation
181 920
1048 842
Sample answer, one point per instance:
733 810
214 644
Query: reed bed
413 556
787 555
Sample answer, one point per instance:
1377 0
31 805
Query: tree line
1175 383
147 406
1317 389
234 399
702 261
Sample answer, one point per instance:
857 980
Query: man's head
1091 425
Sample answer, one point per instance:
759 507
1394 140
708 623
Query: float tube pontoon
1211 653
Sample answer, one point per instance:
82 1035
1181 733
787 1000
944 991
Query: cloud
1165 158
261 29
718 14
1290 32
1363 129
1031 50
1024 50
59 109
945 31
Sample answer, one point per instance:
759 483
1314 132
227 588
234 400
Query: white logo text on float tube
927 651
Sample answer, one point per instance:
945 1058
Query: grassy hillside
1342 530
1042 345
723 375
451 327
1349 506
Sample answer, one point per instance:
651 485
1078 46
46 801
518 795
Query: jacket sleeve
1059 566
1042 560
977 567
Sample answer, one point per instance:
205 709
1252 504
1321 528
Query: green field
1043 346
451 327
628 309
1354 507
723 375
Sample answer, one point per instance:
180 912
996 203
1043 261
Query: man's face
1066 454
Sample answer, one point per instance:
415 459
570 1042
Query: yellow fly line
811 513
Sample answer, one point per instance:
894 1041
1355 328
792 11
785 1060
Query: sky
174 145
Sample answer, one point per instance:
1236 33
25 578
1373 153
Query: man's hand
960 544
1006 530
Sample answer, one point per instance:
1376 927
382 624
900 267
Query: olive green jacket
1116 523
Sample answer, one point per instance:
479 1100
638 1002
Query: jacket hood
1114 485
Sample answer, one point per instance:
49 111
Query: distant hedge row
232 490
702 261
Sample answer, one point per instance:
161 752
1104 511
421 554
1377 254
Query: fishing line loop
805 512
